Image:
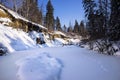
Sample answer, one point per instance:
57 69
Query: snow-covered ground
15 40
38 67
76 64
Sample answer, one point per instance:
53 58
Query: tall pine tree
70 30
58 24
76 27
89 7
82 29
64 28
49 16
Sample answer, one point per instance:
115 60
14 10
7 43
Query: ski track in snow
78 64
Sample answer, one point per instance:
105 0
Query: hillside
18 33
17 21
15 40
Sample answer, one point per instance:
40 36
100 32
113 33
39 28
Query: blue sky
67 10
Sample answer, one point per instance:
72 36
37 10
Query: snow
5 20
51 61
15 40
75 41
78 64
38 67
60 41
58 32
34 35
49 43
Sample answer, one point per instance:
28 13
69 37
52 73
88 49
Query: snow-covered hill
14 36
15 40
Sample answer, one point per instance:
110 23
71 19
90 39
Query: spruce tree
64 28
114 30
76 27
89 7
50 16
58 24
70 28
81 28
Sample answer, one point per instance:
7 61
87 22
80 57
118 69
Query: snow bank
5 19
103 46
60 41
38 67
58 32
15 40
75 41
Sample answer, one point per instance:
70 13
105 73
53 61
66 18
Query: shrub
3 50
103 46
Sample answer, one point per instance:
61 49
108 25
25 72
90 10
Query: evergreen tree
114 31
49 16
70 28
76 27
64 28
104 12
89 7
82 29
58 24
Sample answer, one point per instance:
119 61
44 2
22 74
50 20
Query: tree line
103 25
103 18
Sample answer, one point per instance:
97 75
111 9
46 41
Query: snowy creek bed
59 63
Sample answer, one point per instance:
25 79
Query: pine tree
76 27
64 28
104 11
81 28
70 28
114 32
50 16
89 7
58 24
